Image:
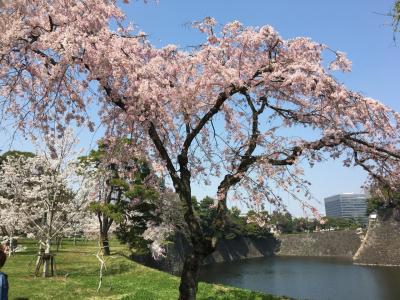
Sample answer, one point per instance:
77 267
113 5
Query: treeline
244 224
383 199
260 224
286 223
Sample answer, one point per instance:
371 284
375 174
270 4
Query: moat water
308 278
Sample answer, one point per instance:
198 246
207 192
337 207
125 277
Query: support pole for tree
48 262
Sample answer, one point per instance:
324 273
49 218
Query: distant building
348 206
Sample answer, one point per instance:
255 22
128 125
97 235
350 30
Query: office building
348 206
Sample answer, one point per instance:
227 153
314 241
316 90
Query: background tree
282 221
15 153
44 192
223 109
236 223
125 188
169 221
383 200
107 200
10 215
139 209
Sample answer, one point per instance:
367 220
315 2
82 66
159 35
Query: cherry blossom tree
10 215
11 223
223 110
44 192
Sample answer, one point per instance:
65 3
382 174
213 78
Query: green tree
282 221
139 209
119 180
382 198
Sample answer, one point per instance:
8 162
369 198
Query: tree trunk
46 263
200 243
190 276
58 241
11 246
105 243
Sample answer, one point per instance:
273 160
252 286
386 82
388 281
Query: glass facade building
348 205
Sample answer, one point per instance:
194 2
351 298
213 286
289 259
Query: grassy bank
77 278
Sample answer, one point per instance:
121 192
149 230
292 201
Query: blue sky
356 27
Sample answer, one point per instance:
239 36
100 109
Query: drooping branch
290 114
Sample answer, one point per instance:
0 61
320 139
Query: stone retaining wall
381 246
328 243
243 248
227 250
332 243
382 242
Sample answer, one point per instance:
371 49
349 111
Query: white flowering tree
44 191
11 223
10 215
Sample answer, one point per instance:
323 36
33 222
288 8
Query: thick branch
163 153
213 111
375 148
246 161
325 142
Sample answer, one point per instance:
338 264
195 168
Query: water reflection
311 278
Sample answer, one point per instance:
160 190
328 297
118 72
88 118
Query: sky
357 27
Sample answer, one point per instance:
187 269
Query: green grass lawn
77 277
